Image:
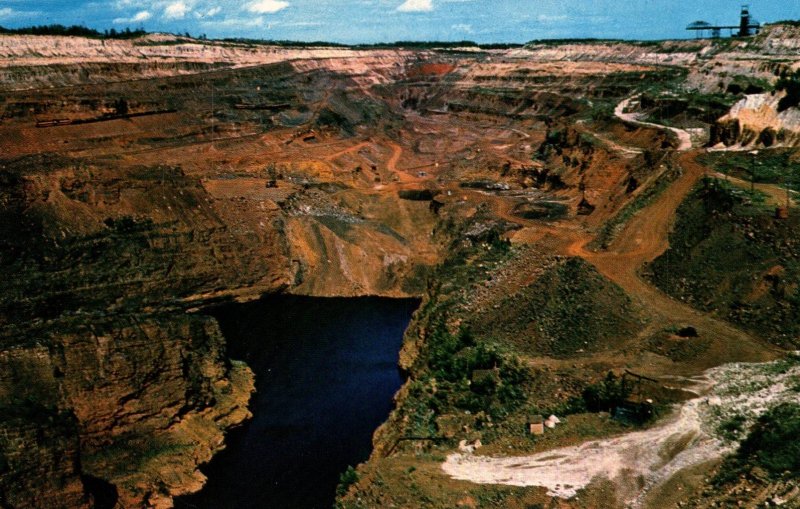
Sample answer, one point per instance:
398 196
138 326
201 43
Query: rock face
759 120
29 61
165 175
93 397
39 459
104 378
779 39
112 388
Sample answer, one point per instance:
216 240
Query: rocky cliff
89 397
143 181
101 367
152 204
760 120
30 62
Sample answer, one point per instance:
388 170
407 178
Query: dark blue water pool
326 371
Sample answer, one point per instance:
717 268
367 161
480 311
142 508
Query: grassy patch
770 166
569 309
728 255
679 107
771 445
130 454
678 349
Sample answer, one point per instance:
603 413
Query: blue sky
356 21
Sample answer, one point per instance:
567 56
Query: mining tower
747 26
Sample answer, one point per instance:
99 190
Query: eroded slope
476 179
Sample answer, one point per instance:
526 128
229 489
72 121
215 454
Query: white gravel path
689 436
684 137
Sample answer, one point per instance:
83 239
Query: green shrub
605 395
773 443
471 375
348 478
732 428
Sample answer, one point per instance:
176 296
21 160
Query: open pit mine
598 241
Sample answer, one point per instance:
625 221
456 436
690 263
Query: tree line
75 30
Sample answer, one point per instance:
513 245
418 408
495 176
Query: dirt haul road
645 238
685 438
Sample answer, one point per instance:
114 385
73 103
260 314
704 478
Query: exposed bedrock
92 397
104 376
112 387
186 173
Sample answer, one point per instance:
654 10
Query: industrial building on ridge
747 26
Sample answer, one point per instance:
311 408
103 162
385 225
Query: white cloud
416 6
125 4
462 27
544 18
258 21
8 12
302 24
142 16
139 17
267 6
176 10
210 13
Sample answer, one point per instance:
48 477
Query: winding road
644 237
684 138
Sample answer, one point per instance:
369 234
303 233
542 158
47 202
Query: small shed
536 425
